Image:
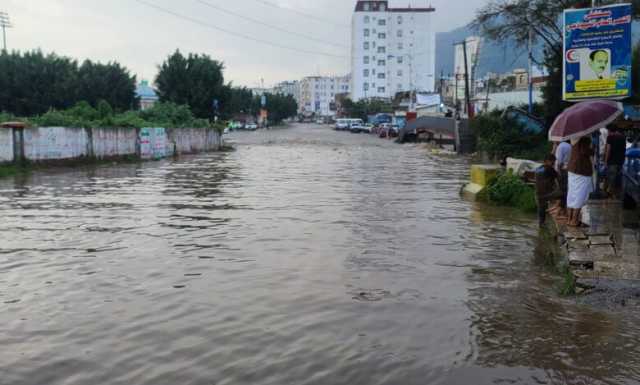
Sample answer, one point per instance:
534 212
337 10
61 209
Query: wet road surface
307 256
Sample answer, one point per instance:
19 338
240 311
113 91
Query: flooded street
307 256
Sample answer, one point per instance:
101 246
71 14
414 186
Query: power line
210 5
303 14
247 37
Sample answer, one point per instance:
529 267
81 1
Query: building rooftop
383 6
145 91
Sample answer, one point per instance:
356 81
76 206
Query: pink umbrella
584 119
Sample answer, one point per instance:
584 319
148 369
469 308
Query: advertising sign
597 53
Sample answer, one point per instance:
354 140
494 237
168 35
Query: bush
509 190
83 115
501 137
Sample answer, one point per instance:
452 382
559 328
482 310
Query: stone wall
6 145
55 143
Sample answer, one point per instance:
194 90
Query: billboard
597 53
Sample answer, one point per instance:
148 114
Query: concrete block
482 174
600 240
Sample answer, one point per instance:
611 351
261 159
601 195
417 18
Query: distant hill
494 57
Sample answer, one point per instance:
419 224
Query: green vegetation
509 190
32 83
9 170
363 108
500 137
83 115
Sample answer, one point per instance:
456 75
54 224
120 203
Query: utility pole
4 23
466 80
530 69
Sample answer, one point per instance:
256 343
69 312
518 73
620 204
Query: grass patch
11 170
509 190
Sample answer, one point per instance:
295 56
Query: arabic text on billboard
597 53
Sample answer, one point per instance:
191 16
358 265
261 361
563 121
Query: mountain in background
494 57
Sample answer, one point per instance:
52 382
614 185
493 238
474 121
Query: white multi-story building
318 94
288 88
393 50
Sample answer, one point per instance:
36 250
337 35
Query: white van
342 124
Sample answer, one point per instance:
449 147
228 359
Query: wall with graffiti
55 143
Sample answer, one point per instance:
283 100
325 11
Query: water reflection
305 257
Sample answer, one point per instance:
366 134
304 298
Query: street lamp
4 24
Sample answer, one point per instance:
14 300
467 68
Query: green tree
363 108
195 81
502 20
280 107
32 83
109 82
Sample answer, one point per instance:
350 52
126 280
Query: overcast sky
140 37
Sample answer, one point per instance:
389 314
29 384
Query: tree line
33 83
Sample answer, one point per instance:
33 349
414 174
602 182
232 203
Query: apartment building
393 50
318 94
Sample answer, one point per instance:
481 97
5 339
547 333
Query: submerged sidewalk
609 248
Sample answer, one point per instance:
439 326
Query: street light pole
4 23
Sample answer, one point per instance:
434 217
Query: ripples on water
305 257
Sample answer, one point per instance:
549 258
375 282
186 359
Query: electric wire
229 32
218 8
303 14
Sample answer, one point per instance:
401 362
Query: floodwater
307 256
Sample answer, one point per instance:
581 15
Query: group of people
566 177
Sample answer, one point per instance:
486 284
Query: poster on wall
597 53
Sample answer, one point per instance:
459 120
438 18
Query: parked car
359 128
342 124
251 126
367 128
319 121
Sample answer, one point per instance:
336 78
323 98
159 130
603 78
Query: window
366 45
367 19
373 45
383 7
365 73
382 22
399 19
400 33
382 50
366 86
382 36
366 60
373 71
381 90
400 45
367 7
366 32
400 59
399 86
381 75
382 62
399 72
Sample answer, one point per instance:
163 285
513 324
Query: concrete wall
54 143
6 145
114 142
194 140
62 143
